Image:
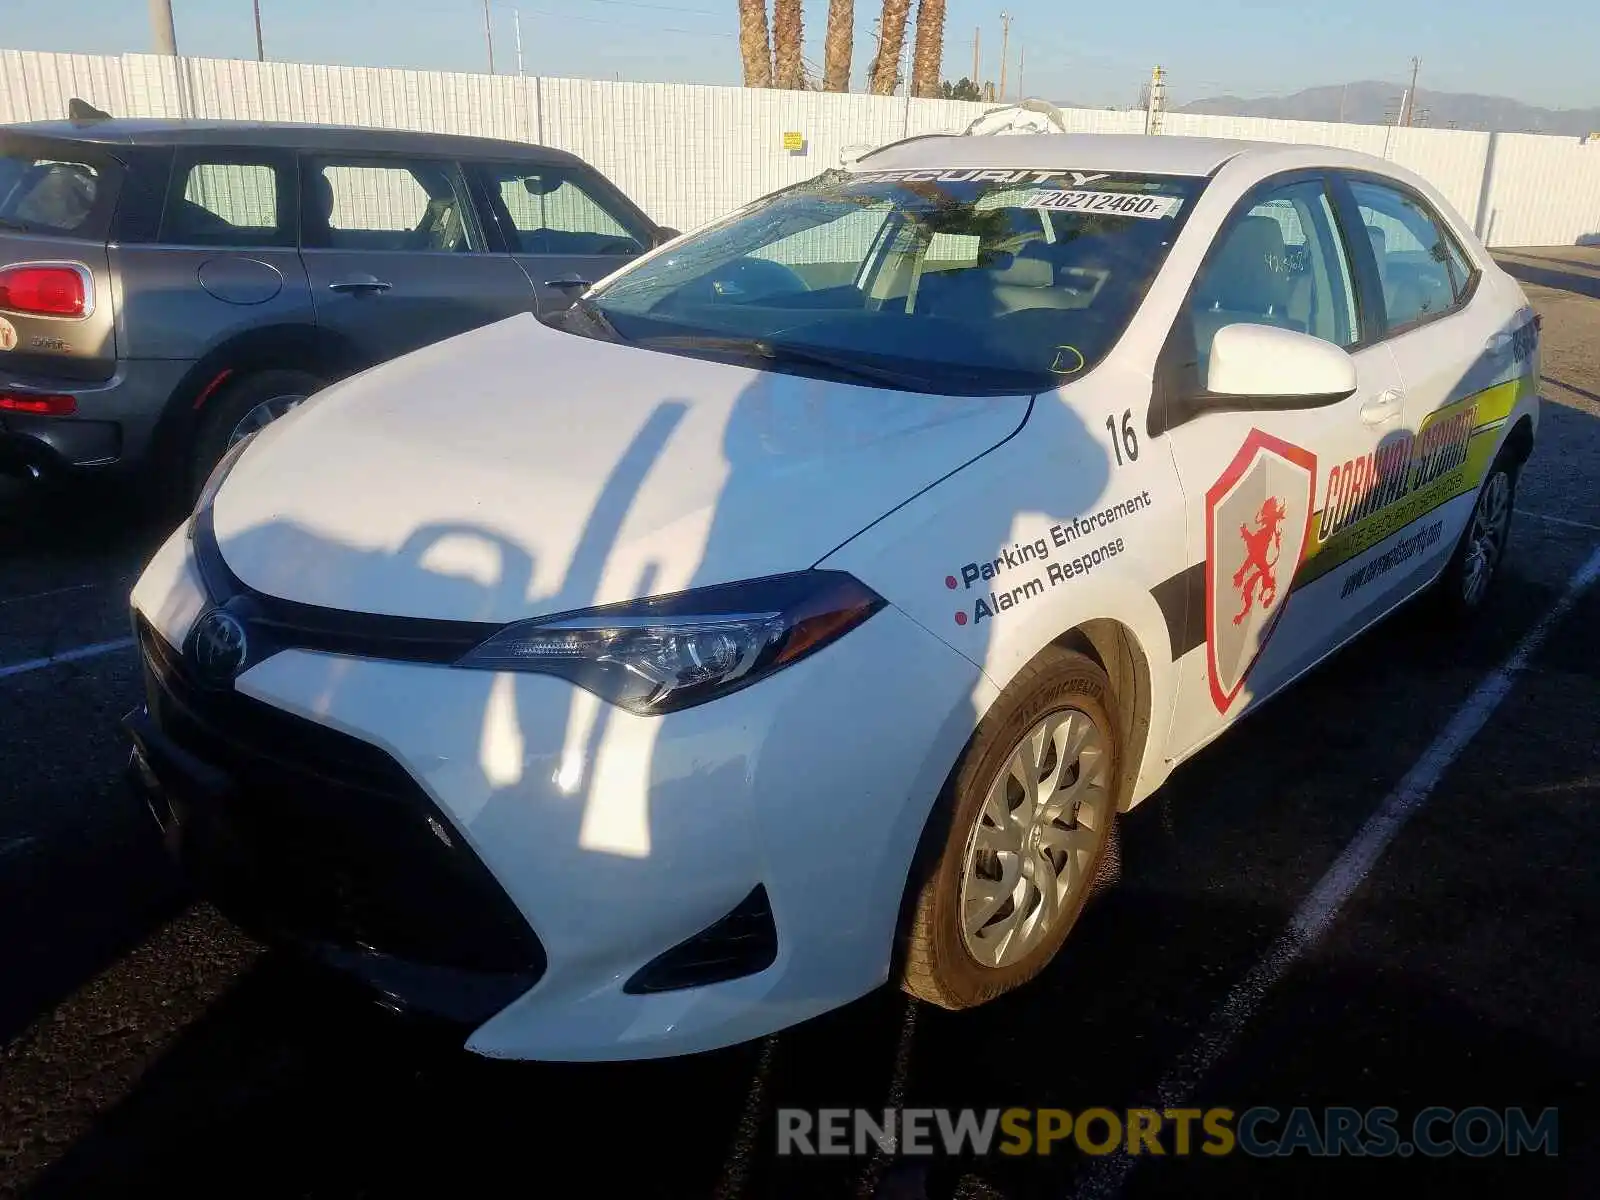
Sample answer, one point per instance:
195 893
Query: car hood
517 471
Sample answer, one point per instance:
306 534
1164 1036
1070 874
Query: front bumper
615 839
305 836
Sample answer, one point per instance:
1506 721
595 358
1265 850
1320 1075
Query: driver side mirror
1261 368
664 234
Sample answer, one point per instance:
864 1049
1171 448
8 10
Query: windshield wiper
840 363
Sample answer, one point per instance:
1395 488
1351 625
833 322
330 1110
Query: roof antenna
82 110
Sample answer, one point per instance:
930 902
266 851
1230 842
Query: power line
555 16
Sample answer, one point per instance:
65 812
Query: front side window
1412 253
384 204
1280 263
948 281
547 210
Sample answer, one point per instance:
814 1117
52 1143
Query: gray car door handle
357 284
566 281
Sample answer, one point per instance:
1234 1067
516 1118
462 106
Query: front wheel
1013 852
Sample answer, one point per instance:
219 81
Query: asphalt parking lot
149 1046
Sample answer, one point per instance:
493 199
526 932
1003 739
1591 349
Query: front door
1257 483
395 256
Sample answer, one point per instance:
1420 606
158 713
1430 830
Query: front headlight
213 483
670 652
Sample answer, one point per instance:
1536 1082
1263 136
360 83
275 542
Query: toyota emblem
219 647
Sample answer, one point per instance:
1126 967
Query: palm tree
786 38
836 50
754 48
928 55
886 67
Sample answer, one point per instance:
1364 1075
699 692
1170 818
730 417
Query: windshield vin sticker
1121 204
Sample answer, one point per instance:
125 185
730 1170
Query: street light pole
261 55
488 35
516 28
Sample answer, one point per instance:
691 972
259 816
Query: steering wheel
746 279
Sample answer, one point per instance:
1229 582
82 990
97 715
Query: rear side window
49 194
1412 253
226 203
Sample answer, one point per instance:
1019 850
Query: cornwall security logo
1258 522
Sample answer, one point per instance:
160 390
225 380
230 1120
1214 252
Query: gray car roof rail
285 135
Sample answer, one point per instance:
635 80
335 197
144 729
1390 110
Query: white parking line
65 656
1522 512
61 591
1105 1176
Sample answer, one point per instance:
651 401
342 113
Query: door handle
568 281
356 285
1383 407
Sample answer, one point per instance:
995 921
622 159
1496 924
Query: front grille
326 840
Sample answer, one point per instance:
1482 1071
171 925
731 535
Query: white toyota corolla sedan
798 612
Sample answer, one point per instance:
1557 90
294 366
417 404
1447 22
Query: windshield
966 282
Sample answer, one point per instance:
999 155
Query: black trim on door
1182 601
1350 217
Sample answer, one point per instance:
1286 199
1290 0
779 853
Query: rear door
56 313
220 258
395 255
563 223
1465 360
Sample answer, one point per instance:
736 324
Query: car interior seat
1246 282
316 209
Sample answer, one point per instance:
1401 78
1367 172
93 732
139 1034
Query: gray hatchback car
168 286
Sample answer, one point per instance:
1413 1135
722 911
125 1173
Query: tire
1061 693
1468 578
253 396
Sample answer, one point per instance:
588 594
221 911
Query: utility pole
166 33
261 54
1005 41
488 35
516 28
1022 57
1411 94
1156 101
977 62
1344 91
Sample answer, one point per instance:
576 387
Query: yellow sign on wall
794 141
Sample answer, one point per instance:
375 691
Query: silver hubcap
262 415
1028 855
1486 540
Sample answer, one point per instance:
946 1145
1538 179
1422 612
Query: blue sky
1092 53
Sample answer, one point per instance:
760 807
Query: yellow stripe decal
1370 499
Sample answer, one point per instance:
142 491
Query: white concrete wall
689 153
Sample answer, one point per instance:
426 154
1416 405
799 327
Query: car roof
1137 153
136 131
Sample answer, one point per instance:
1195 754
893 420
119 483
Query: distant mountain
1371 102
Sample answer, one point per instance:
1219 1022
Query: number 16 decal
1129 441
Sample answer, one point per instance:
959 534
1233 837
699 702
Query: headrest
1247 274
